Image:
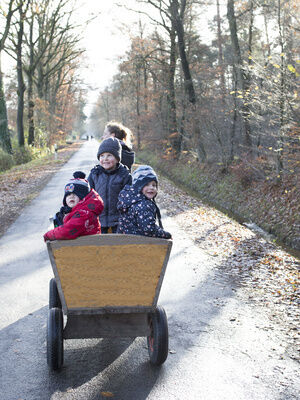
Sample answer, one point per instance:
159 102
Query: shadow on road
26 375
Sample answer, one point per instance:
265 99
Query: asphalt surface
218 348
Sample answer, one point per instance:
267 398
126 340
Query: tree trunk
4 132
21 86
138 112
30 73
177 140
188 82
177 20
233 124
30 111
243 80
220 55
280 141
5 141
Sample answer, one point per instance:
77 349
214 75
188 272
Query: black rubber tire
55 345
158 341
54 299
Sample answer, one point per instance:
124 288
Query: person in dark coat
80 211
137 207
119 131
108 179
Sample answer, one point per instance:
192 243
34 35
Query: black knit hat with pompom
78 185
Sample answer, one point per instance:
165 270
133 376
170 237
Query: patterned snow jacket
109 184
82 220
138 214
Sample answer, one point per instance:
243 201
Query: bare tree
240 73
44 26
4 133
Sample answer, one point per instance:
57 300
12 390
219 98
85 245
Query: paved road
218 349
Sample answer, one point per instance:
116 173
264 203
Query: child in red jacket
79 215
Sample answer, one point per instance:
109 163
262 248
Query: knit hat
143 175
112 146
77 185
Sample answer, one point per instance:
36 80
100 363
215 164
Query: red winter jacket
82 220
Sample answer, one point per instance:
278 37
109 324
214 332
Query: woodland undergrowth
248 196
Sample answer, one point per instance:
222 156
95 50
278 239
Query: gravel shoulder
266 273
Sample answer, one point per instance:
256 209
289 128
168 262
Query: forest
42 103
219 108
234 98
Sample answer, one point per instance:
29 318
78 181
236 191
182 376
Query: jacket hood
128 156
125 147
127 197
92 203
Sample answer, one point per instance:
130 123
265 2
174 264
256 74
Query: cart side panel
58 283
110 276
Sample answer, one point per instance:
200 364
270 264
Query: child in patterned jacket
137 207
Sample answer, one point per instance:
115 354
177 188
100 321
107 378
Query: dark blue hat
143 175
112 146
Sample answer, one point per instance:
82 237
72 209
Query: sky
104 41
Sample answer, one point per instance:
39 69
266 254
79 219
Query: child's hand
46 238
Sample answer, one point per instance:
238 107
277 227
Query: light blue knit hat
143 175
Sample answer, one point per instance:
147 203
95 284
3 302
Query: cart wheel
54 300
158 341
55 345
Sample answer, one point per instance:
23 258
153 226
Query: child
108 179
137 206
80 211
119 131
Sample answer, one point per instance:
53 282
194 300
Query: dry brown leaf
107 394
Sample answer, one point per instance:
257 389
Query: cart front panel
116 272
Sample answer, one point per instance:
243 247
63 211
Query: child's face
150 190
72 200
108 161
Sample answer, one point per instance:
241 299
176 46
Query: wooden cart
107 286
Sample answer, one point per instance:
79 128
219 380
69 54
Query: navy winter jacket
128 155
138 214
109 184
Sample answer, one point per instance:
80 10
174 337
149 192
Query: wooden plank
109 275
58 283
106 325
108 239
111 310
109 271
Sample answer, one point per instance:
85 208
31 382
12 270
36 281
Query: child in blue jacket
108 179
137 207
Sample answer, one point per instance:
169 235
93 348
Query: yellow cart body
108 284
